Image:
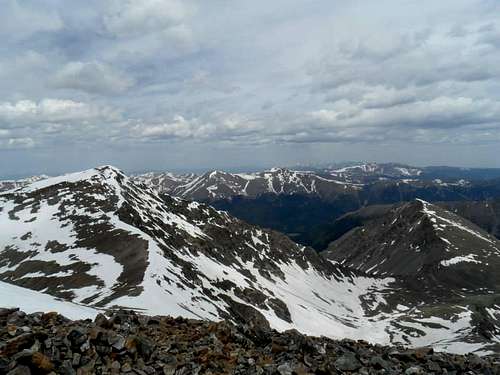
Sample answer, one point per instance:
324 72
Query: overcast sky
185 84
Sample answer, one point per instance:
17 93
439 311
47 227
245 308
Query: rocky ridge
124 342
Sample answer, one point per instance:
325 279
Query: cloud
437 113
20 19
126 18
91 77
17 143
29 113
224 127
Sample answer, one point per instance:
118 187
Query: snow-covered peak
104 173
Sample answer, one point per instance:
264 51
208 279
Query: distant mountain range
306 204
325 183
14 184
101 240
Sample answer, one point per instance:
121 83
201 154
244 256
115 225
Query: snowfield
31 301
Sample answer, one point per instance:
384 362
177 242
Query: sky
196 84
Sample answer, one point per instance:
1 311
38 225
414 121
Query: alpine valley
400 270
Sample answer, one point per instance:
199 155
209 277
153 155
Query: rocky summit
123 342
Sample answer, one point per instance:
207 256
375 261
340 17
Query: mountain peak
106 173
422 241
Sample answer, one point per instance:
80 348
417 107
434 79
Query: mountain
164 182
100 240
438 256
305 204
485 214
215 185
416 239
369 172
14 184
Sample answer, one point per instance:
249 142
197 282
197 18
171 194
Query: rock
414 371
4 312
11 329
118 343
101 321
76 337
17 344
347 362
126 367
20 370
433 366
76 359
285 369
378 363
41 362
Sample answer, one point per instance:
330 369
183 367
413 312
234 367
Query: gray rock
414 370
347 362
285 369
20 370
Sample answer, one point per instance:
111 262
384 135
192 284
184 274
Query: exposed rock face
125 342
435 256
424 242
485 214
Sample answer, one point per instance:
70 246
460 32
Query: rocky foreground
127 343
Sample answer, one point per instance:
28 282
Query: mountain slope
442 263
418 238
99 239
216 185
485 214
32 301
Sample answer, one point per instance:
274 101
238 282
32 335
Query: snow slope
31 301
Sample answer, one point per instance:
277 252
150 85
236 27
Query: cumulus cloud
223 127
91 77
437 113
28 112
137 17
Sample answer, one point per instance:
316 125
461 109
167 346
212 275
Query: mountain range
306 204
99 239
